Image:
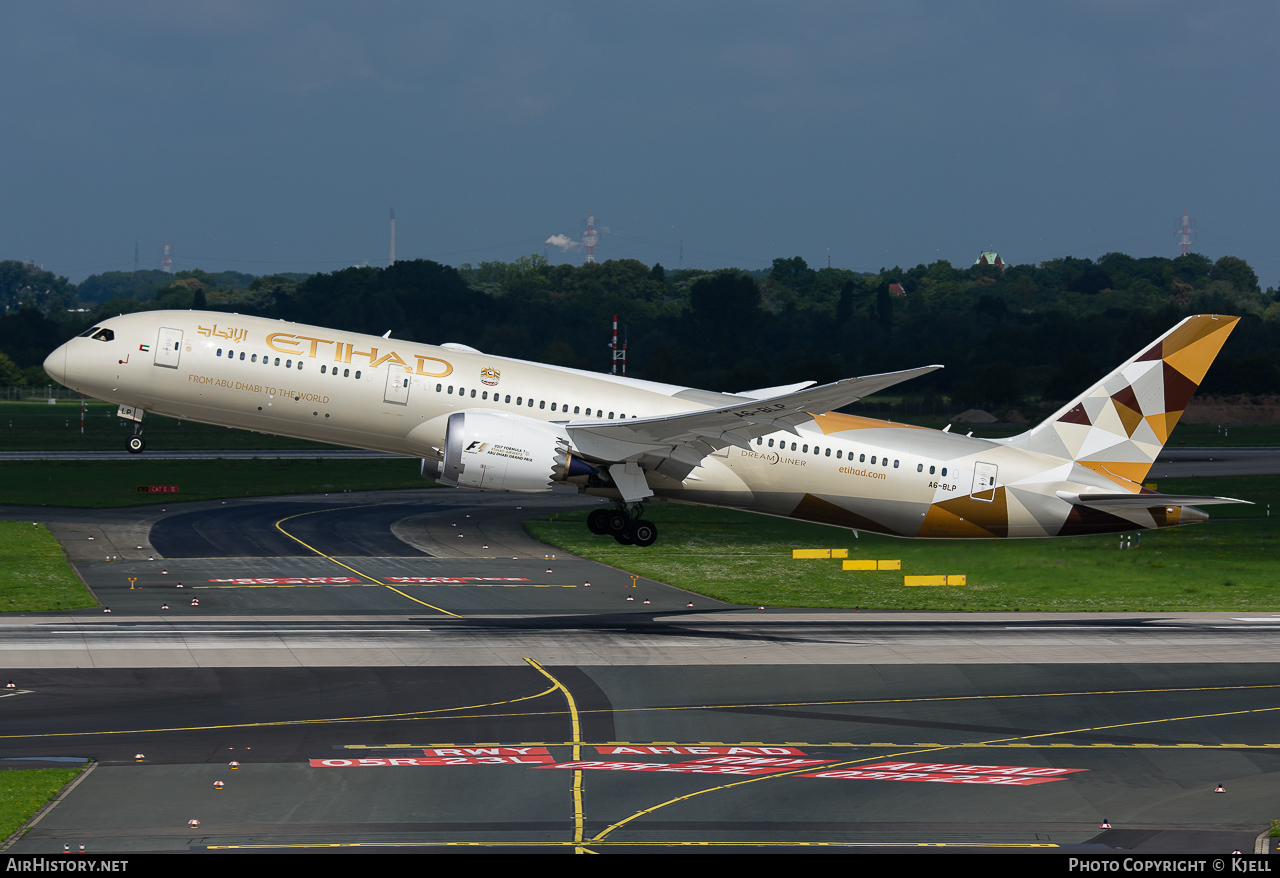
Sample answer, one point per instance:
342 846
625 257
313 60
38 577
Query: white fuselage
396 396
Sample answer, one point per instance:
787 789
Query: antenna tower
1186 226
166 262
393 237
591 236
618 352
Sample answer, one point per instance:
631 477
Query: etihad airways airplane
498 424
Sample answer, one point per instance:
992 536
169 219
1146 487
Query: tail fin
1118 426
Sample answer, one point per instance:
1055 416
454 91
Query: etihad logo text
305 345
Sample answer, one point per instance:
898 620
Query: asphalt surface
1141 747
458 631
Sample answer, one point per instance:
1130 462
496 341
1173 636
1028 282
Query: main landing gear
625 526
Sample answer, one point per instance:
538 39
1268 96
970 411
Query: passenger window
322 369
288 364
588 412
242 355
770 443
919 467
885 462
219 351
277 361
438 386
507 398
930 470
484 395
451 388
531 402
839 454
519 400
553 406
827 453
575 409
346 373
805 449
253 359
944 471
542 404
793 446
862 458
873 459
611 416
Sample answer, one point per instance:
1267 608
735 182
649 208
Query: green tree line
1027 334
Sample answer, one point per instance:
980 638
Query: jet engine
499 452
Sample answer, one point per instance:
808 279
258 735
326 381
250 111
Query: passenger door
397 391
168 347
984 482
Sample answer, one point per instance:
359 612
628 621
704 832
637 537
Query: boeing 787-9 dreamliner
499 424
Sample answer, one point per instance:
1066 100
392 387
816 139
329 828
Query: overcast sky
266 136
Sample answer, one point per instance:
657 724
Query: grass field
23 792
116 482
1228 564
34 573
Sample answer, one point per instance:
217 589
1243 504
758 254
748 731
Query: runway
390 627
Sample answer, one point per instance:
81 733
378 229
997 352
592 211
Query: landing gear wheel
136 444
616 521
643 533
597 522
624 538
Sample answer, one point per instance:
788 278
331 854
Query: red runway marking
450 580
697 751
414 761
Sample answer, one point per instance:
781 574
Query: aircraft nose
56 365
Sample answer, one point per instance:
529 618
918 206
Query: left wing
675 444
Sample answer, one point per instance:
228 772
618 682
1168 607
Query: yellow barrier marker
888 565
859 565
924 580
952 579
810 553
839 553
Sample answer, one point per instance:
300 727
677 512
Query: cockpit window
104 335
88 332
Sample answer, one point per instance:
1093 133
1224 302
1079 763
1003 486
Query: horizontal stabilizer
1144 501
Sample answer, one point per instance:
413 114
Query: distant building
990 257
897 290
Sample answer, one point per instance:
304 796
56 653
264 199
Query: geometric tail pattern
1118 426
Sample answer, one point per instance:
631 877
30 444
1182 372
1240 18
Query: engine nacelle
499 452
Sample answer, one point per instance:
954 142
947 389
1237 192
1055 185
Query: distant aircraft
498 424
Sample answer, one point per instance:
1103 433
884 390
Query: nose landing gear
624 525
